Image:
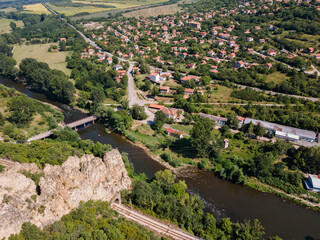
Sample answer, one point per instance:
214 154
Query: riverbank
222 198
252 182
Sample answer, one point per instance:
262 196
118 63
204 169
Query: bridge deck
82 121
71 125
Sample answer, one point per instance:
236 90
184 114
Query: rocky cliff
60 189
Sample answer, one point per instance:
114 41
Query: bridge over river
74 125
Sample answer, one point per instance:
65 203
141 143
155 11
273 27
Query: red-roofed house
156 106
174 133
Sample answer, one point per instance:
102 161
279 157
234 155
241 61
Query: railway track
156 226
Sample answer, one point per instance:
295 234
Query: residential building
164 89
156 106
174 133
154 77
172 112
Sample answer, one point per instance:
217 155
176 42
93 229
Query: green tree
62 46
233 121
259 130
200 136
159 120
205 80
98 95
249 128
66 134
2 119
22 109
138 112
263 164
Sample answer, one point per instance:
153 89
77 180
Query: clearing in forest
5 25
56 60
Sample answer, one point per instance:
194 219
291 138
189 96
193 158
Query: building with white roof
313 183
285 132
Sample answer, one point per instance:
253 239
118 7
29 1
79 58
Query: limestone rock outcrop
59 190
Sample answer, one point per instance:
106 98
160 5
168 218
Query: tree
200 136
2 120
159 120
177 75
205 80
147 85
144 68
249 128
98 95
259 130
13 26
224 130
155 90
263 164
233 121
22 109
62 46
125 103
66 134
138 112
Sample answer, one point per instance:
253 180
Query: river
222 198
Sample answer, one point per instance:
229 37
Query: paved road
314 70
155 225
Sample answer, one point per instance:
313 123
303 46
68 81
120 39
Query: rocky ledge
60 189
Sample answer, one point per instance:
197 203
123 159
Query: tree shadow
183 147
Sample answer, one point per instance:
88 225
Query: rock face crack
59 191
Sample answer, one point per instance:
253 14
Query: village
185 57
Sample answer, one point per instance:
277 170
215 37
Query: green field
37 8
134 6
5 25
220 94
277 77
8 9
155 11
70 11
183 128
92 6
56 60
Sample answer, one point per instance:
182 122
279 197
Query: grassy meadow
56 60
37 8
70 11
5 25
277 77
92 6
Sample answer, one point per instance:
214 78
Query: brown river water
222 198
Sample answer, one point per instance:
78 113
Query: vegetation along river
223 199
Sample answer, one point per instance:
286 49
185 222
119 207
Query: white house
154 77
